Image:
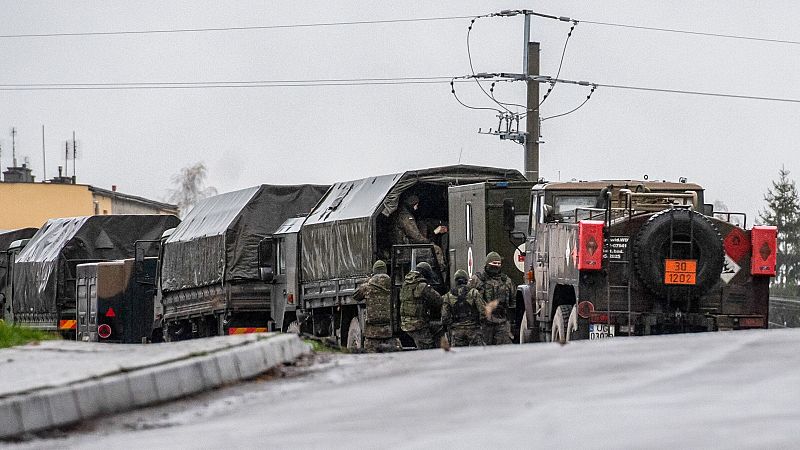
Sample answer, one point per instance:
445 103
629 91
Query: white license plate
600 331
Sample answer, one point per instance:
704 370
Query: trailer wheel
562 325
525 335
354 335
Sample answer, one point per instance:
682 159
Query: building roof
131 198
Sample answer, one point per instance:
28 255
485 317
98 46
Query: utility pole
532 119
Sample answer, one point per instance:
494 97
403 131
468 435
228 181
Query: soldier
377 324
460 314
418 301
494 294
407 231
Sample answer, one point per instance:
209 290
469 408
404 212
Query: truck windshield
564 206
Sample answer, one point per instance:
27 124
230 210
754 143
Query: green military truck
316 264
210 282
632 258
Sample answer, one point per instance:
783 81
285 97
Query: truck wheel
354 335
525 335
562 328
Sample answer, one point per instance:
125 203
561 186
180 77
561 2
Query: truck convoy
43 278
632 258
592 259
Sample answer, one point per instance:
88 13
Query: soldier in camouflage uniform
376 294
418 301
494 294
407 231
460 314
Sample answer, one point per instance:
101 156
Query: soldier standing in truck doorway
407 231
460 313
376 293
418 300
494 294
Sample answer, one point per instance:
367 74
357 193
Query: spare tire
652 248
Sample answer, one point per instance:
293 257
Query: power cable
558 73
695 33
362 82
662 29
153 83
227 84
545 79
243 28
480 108
472 69
594 87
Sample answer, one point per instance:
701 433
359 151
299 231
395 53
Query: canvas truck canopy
41 268
218 239
339 236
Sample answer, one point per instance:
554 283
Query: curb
70 404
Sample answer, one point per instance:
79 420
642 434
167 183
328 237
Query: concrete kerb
65 405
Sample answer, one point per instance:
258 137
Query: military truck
11 242
210 282
115 302
44 272
631 258
335 246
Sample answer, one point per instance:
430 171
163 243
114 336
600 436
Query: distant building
24 203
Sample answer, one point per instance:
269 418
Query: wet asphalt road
712 390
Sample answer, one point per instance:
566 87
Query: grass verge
11 335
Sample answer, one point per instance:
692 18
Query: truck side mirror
266 261
708 209
509 214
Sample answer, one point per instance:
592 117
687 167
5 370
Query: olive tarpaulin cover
338 236
218 240
42 268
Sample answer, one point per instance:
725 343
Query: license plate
680 271
600 331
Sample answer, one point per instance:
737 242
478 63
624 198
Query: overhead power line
661 29
696 33
229 84
545 79
237 84
243 28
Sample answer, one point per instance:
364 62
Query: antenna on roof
44 159
14 146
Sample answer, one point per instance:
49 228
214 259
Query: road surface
711 390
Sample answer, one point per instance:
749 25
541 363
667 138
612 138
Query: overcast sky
137 139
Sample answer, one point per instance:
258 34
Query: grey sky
137 139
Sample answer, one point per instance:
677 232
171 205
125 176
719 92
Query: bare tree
190 187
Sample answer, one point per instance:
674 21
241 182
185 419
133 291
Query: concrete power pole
532 119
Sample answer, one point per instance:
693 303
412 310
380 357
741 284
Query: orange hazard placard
680 271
